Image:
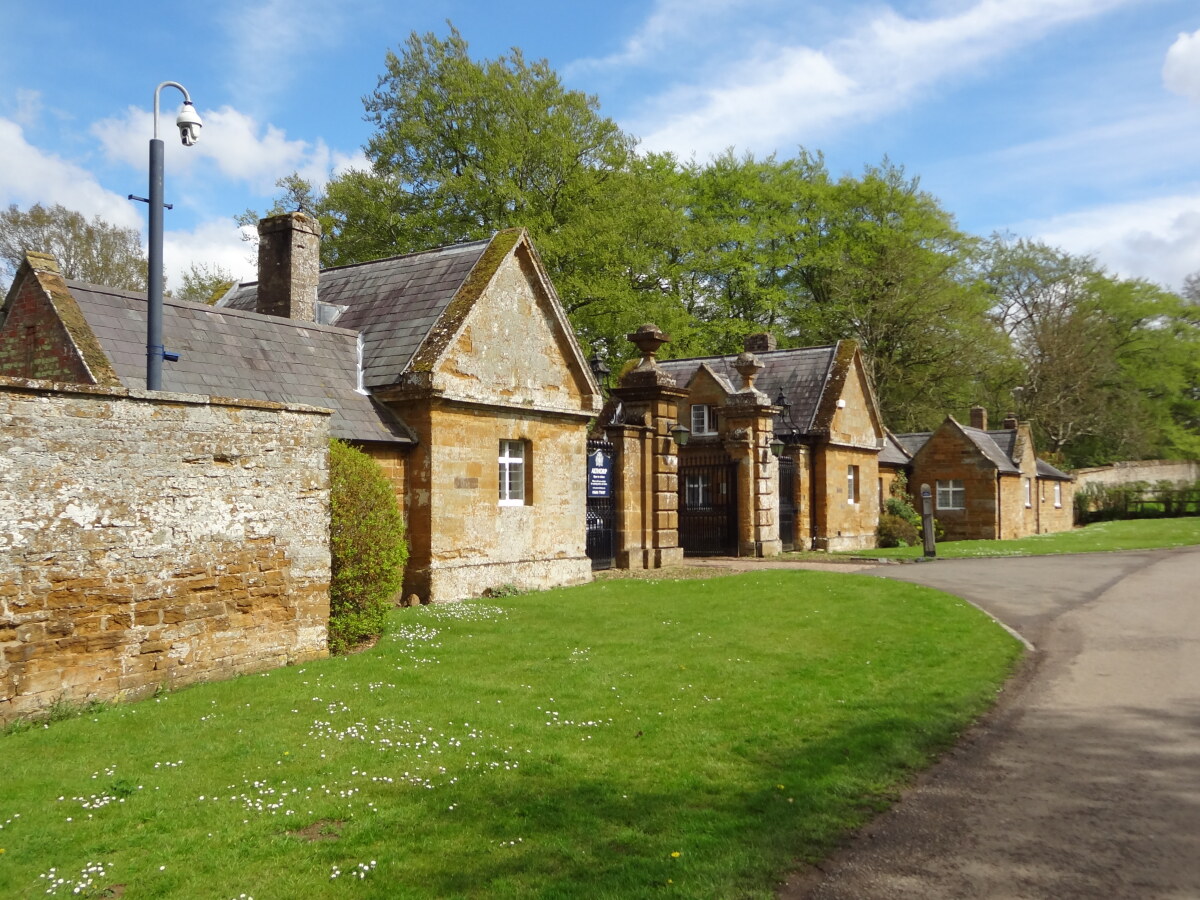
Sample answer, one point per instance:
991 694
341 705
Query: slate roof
893 452
392 302
913 441
989 444
997 445
801 374
244 355
1045 470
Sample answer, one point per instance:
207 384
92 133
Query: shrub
367 546
896 531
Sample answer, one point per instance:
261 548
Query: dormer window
704 419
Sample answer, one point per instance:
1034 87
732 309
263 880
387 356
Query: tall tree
462 148
1108 366
877 259
90 250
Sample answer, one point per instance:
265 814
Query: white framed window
512 473
951 494
1028 493
704 419
852 483
697 488
1058 495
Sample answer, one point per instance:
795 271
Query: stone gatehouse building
455 368
988 484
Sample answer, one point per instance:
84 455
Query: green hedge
367 546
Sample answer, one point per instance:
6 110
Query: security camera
189 124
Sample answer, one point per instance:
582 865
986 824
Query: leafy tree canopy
91 250
205 283
714 251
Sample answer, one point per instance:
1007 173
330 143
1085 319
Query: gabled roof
893 452
801 374
913 441
999 446
394 303
1045 470
989 444
722 381
228 353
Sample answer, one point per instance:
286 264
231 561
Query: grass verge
623 739
1131 534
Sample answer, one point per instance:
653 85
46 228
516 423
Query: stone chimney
979 418
763 342
288 266
1010 422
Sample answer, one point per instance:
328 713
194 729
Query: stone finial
648 339
748 367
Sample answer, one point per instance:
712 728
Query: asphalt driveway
1085 781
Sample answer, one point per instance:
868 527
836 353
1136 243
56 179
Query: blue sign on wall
599 474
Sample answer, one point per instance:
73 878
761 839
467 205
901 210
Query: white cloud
214 242
29 107
272 40
1181 69
784 92
1156 239
669 23
31 175
234 142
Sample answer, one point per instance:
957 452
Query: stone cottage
455 368
818 408
988 484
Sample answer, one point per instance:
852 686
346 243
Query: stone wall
947 456
1181 472
843 523
462 541
151 540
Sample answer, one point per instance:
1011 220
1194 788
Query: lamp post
189 124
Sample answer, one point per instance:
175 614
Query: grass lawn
1130 534
622 739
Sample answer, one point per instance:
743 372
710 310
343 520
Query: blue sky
1072 121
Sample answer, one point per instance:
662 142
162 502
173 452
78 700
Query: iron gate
708 505
787 502
601 505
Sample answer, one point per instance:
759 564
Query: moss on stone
472 288
80 334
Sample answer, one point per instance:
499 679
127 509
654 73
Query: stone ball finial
748 366
648 338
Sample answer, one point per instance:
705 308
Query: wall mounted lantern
680 434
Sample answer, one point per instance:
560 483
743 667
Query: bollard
927 521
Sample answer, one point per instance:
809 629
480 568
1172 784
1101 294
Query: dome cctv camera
189 124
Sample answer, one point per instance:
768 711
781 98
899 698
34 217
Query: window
1058 495
852 483
512 473
1028 492
698 490
951 494
704 419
